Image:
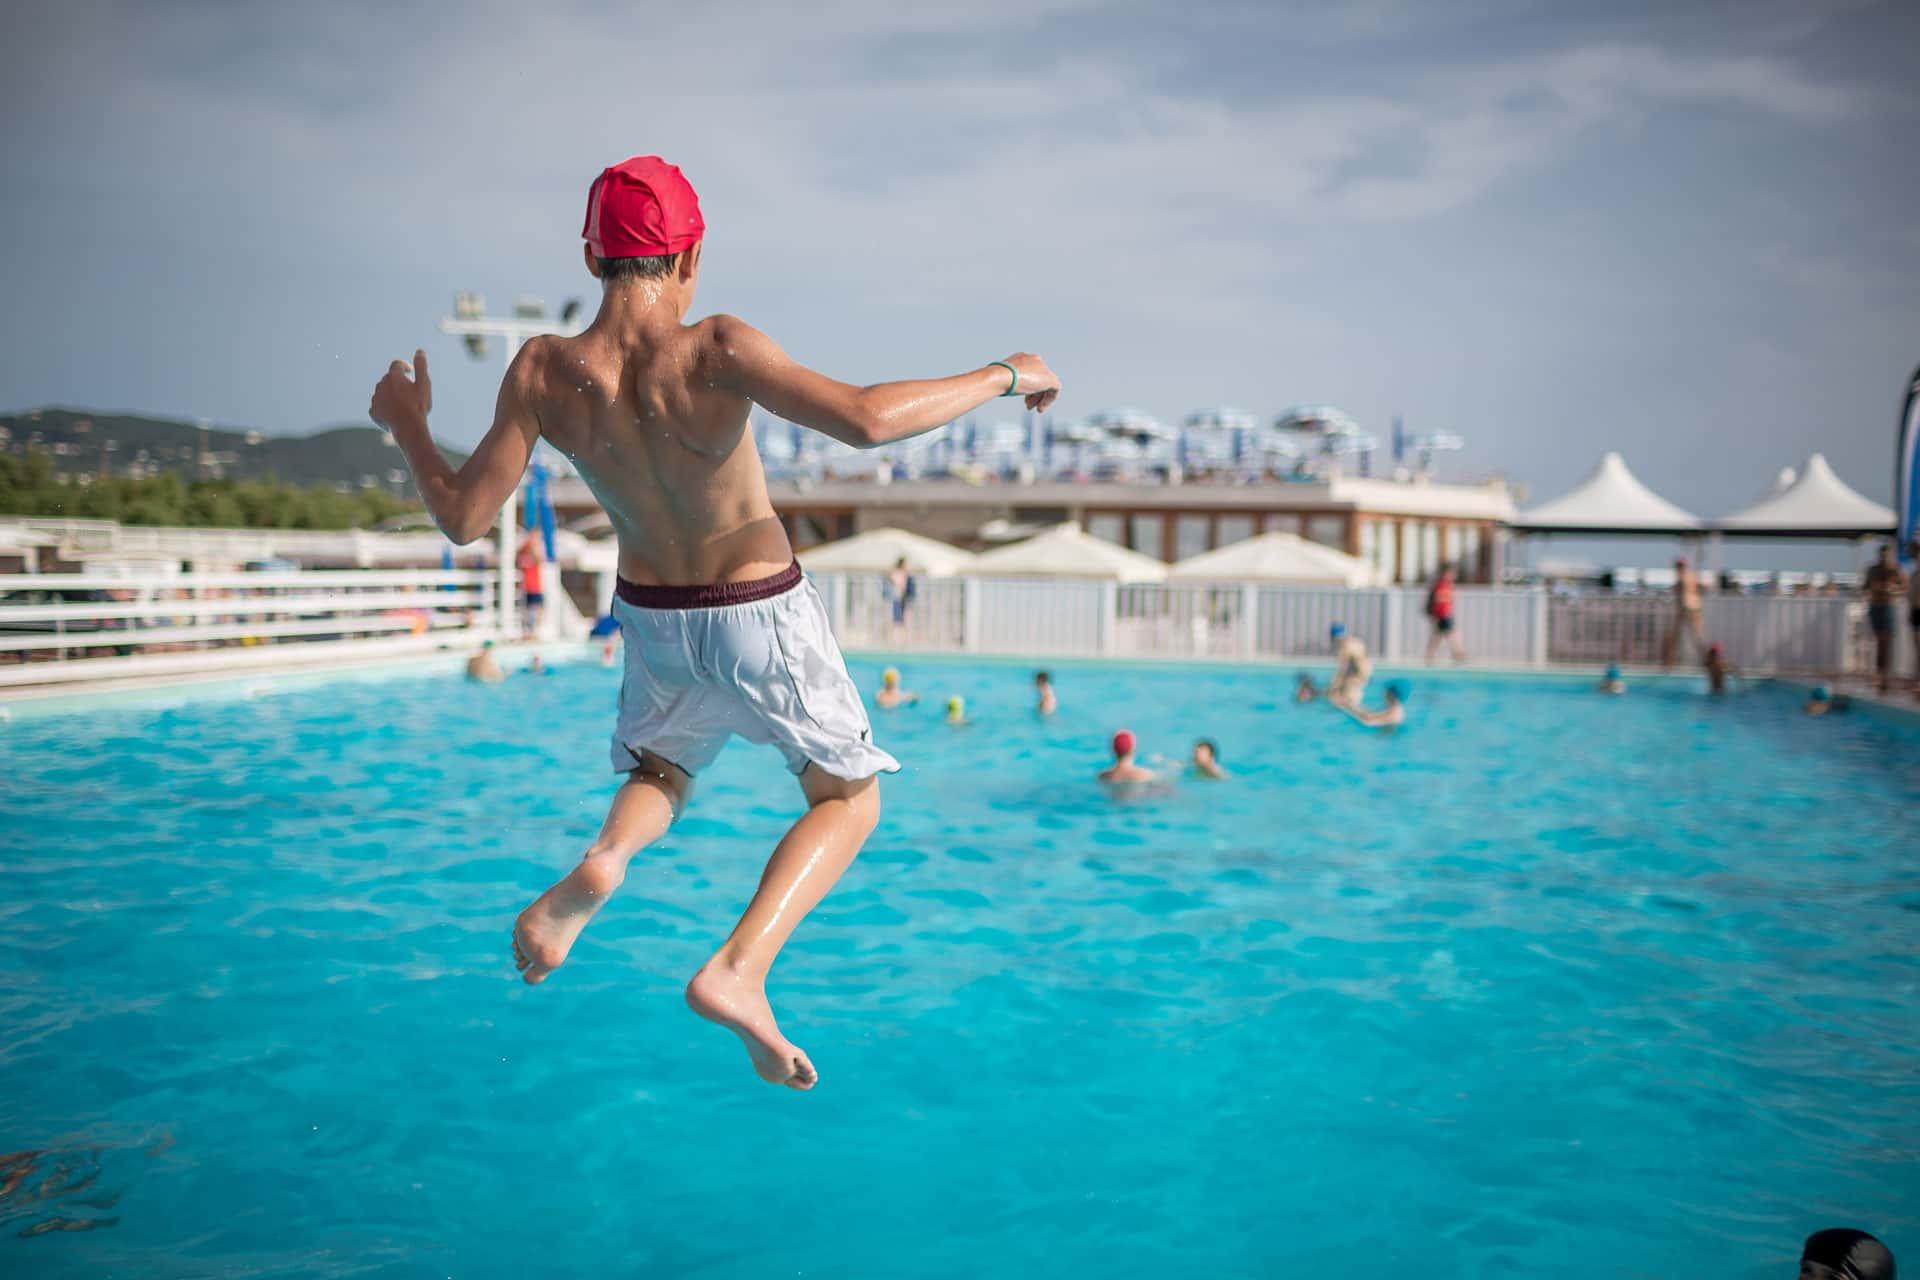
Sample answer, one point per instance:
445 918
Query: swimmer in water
1304 689
1613 682
890 694
1123 774
1352 668
724 637
1044 684
1843 1253
1717 670
957 711
1823 701
1391 716
1206 761
483 667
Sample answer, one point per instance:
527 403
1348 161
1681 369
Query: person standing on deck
529 564
724 636
1913 612
1885 583
1440 617
898 589
1686 615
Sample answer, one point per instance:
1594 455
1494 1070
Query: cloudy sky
1690 231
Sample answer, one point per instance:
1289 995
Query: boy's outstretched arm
464 502
753 365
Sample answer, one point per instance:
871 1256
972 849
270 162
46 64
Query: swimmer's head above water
1842 1253
1397 692
890 678
1123 744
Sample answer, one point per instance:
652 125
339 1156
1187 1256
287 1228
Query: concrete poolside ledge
78 697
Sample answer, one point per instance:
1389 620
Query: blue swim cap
1613 672
1337 630
1822 694
1399 689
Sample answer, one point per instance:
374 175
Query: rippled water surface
1548 984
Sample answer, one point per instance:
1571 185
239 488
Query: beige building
1406 529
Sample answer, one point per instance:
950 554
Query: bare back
665 450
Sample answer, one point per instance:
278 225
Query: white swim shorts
753 660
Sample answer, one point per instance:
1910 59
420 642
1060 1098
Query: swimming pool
1549 984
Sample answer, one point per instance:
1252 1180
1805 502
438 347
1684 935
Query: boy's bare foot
739 1004
546 931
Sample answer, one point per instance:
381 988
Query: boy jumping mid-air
723 636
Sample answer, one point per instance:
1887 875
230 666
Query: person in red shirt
1440 615
530 565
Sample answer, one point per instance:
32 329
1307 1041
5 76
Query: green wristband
1013 390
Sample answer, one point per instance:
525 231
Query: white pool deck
298 671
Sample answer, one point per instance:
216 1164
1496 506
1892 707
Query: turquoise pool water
1549 984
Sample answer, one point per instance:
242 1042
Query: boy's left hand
400 400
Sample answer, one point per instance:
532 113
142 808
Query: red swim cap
1123 743
642 207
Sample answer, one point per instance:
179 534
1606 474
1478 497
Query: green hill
83 441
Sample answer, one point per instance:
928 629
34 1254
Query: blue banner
540 506
1906 473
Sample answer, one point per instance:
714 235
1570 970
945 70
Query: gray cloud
1660 228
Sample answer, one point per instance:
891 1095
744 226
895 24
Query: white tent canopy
1066 552
1276 557
878 550
1817 503
1611 500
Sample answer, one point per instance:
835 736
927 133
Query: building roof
1817 503
1275 557
1067 552
1611 500
1489 501
878 550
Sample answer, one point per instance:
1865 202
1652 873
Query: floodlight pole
513 331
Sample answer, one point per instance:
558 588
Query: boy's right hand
1038 384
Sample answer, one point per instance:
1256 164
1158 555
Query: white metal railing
1512 626
64 627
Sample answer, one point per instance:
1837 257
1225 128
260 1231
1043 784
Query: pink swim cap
642 207
1123 743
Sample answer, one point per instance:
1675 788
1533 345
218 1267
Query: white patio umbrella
1067 552
1815 503
1276 557
1611 500
878 550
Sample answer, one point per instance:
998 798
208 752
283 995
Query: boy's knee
869 803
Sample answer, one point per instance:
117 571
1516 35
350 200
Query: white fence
58 628
79 627
1512 626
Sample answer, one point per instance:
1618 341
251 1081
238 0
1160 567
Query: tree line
29 486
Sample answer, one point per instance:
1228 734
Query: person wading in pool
1352 668
723 637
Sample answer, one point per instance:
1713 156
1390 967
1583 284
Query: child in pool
723 637
890 694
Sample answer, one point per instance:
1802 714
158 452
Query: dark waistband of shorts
708 595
